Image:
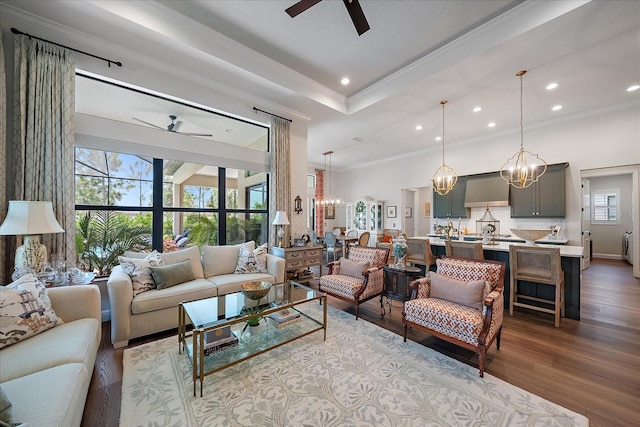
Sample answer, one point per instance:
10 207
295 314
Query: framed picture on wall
391 211
408 212
330 212
427 209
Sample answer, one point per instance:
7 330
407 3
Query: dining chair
330 244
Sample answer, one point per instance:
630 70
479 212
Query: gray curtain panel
280 175
4 201
43 157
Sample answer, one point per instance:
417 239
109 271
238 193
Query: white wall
610 138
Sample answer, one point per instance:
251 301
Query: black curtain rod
108 61
271 114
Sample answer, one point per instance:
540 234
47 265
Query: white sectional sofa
46 377
156 310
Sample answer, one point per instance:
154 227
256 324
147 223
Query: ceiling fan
353 7
174 126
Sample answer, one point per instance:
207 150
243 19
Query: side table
298 258
396 284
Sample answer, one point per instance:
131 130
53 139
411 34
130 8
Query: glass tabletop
206 312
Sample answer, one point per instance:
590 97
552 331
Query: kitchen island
571 261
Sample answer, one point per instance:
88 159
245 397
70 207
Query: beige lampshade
30 218
281 218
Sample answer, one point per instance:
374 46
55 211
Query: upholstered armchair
462 302
357 278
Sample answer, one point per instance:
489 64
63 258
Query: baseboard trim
608 256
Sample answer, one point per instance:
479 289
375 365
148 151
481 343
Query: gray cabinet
543 199
452 204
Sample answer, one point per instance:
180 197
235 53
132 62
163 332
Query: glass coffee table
240 341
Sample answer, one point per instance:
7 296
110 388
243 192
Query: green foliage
102 236
203 230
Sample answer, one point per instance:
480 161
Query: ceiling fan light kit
353 7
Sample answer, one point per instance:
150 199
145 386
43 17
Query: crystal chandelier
523 168
445 178
328 199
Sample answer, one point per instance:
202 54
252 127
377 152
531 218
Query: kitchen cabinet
452 204
542 199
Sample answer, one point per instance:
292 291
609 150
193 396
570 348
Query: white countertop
565 250
515 239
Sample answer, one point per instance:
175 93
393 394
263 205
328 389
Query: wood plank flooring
591 366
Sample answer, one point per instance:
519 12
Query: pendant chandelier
329 199
523 168
445 178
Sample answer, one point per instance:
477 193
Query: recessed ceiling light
552 86
438 138
345 81
492 124
419 127
557 107
228 130
633 88
477 109
356 139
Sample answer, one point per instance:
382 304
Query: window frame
608 194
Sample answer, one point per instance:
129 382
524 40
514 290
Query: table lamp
30 219
281 220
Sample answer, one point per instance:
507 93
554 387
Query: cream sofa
46 377
156 310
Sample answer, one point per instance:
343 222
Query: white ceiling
415 54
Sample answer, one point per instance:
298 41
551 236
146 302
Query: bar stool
536 264
419 253
471 250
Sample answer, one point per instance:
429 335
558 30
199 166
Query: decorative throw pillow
25 310
140 271
166 276
470 294
352 268
252 261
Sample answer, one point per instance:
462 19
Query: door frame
634 170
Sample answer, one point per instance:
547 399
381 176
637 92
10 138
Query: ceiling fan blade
175 127
300 7
357 16
147 123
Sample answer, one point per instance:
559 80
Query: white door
586 224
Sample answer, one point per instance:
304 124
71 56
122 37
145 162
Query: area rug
362 375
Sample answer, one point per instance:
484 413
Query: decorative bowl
530 235
255 290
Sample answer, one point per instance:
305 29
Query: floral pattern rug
362 375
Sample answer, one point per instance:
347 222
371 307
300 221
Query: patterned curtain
4 202
43 129
280 175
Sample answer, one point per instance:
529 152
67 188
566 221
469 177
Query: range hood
486 190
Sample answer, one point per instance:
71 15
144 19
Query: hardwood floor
591 366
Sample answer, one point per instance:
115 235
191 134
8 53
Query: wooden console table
299 258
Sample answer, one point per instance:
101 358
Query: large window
604 207
200 205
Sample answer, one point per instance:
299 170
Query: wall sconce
298 205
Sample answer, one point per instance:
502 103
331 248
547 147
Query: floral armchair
357 278
462 302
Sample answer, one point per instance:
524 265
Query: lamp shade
281 218
30 218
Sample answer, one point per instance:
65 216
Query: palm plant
102 236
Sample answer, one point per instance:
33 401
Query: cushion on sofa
166 276
470 294
171 297
72 342
219 260
26 310
191 253
51 397
229 283
6 416
353 268
252 260
140 271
